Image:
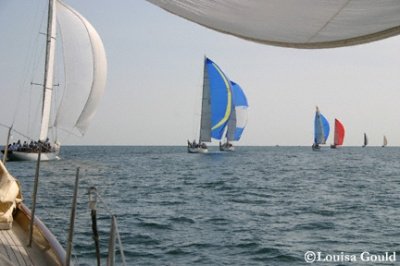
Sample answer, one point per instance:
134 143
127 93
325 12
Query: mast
48 70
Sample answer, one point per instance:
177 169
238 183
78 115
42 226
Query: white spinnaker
85 67
294 23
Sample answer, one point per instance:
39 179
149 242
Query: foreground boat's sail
216 104
85 70
294 23
238 119
321 129
339 134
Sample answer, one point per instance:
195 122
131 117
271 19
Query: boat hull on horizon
31 156
225 147
197 150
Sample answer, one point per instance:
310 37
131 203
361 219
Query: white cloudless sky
155 68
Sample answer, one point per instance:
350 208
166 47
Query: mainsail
238 119
339 133
85 70
321 128
216 102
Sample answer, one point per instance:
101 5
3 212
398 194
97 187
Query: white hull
32 156
197 150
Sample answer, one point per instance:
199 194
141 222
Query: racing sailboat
339 134
384 142
321 130
365 140
216 106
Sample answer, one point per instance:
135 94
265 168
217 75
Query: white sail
85 70
49 71
294 23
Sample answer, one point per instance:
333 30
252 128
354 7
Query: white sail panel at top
85 68
294 23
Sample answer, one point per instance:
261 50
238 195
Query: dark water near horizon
256 206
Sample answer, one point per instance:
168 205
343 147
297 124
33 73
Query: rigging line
329 21
16 131
29 59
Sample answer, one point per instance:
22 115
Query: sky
155 75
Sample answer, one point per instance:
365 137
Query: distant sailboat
384 142
339 134
238 118
216 107
365 140
321 130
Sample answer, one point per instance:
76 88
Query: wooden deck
12 248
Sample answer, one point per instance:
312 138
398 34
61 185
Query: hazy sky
155 68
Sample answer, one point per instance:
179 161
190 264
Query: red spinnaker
339 132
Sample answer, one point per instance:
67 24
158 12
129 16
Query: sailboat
365 140
321 130
216 106
384 142
85 69
339 134
238 118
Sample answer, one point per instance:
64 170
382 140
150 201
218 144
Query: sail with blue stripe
216 104
238 120
321 128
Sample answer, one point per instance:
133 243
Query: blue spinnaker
321 128
220 97
240 108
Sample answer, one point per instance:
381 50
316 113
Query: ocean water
255 206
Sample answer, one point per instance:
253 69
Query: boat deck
12 249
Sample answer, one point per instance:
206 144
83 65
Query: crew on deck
33 146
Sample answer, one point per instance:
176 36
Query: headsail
238 120
85 70
339 133
216 104
321 128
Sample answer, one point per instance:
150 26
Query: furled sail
294 23
339 133
216 104
321 128
238 120
85 70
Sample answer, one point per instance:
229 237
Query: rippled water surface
255 206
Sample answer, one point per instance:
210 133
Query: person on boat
203 145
